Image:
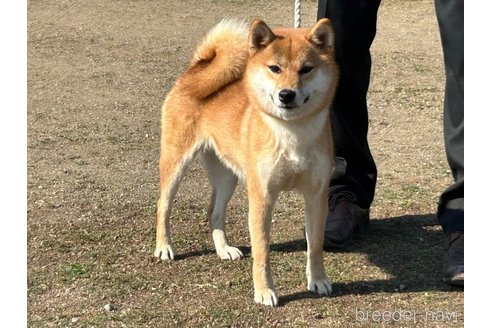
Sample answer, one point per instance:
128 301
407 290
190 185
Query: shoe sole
456 280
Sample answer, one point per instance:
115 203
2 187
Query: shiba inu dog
254 104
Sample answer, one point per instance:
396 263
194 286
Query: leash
297 14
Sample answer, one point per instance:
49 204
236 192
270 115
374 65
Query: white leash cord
297 14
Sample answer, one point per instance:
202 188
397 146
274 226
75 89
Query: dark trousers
354 22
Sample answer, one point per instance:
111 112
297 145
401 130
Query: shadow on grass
202 252
409 248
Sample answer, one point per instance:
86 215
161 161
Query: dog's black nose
286 96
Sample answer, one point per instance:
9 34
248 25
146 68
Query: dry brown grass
98 72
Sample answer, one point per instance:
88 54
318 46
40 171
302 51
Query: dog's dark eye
305 69
274 68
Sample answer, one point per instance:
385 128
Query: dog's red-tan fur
226 108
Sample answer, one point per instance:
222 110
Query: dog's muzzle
286 96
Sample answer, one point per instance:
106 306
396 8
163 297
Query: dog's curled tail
219 60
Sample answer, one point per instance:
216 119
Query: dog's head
292 73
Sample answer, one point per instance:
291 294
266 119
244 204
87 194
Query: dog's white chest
294 161
296 153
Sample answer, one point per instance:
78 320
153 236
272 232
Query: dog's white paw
266 297
320 286
164 252
229 253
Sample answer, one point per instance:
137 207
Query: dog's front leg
260 218
316 212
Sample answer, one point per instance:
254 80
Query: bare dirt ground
98 71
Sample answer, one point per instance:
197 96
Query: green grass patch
75 271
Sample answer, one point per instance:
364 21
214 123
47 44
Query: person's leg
451 207
354 181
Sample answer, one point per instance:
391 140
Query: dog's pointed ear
322 35
260 35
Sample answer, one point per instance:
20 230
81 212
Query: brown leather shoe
454 260
344 217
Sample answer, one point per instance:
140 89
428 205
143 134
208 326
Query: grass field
98 72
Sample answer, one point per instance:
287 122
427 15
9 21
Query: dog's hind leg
172 166
223 182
